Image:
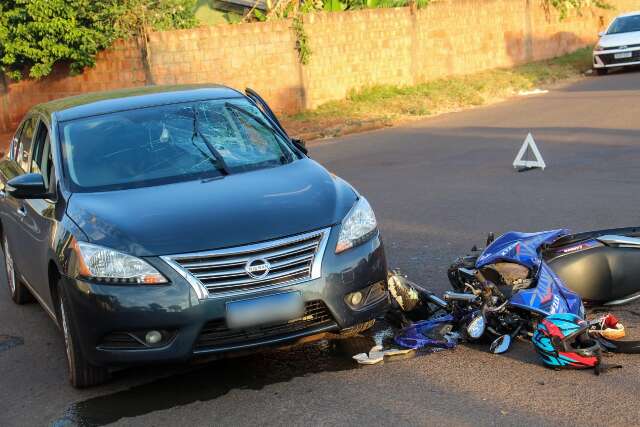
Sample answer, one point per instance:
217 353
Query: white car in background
619 45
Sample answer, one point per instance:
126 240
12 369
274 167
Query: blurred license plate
622 55
262 310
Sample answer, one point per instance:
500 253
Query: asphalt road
438 187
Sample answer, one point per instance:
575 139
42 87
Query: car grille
216 334
223 272
609 59
629 46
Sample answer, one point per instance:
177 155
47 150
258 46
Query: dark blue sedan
163 223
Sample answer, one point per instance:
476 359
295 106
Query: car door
38 215
15 143
11 211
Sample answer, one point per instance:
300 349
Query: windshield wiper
219 164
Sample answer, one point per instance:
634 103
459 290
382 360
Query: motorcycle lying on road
505 290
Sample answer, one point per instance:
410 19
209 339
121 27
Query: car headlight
106 265
598 47
358 226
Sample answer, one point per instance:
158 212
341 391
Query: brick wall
349 50
259 55
120 67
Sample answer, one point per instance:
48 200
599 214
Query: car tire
357 329
81 373
349 347
601 71
19 292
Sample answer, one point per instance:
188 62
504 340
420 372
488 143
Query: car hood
194 216
622 39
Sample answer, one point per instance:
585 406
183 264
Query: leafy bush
37 34
134 15
338 5
565 6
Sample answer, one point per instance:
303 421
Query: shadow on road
205 380
618 79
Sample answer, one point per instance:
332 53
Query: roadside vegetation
380 106
35 35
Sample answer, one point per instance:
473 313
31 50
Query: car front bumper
607 58
101 311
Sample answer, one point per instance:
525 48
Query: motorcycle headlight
357 227
106 265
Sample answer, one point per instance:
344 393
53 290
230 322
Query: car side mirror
27 186
300 145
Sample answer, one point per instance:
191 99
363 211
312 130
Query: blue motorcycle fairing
427 334
550 295
521 248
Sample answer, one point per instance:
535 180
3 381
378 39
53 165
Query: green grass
382 105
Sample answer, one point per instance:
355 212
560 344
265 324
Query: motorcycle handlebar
460 296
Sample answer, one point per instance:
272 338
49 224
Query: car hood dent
196 216
622 39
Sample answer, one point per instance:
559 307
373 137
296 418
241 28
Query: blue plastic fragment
427 334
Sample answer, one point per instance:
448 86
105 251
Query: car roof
624 15
96 103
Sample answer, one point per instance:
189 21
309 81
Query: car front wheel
19 293
81 373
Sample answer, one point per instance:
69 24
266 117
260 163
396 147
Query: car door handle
22 211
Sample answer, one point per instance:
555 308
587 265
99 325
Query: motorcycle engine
508 274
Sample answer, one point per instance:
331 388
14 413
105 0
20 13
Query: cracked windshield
170 143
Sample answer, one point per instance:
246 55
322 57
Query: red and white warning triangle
528 150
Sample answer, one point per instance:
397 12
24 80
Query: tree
37 34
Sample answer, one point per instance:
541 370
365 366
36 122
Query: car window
169 143
41 160
625 24
24 146
15 143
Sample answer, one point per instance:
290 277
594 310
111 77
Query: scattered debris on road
378 354
532 92
510 290
8 341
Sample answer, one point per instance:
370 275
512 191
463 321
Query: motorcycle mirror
476 327
501 344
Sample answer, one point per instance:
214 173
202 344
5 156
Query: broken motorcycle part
432 333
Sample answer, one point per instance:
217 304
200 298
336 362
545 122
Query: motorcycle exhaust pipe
460 296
